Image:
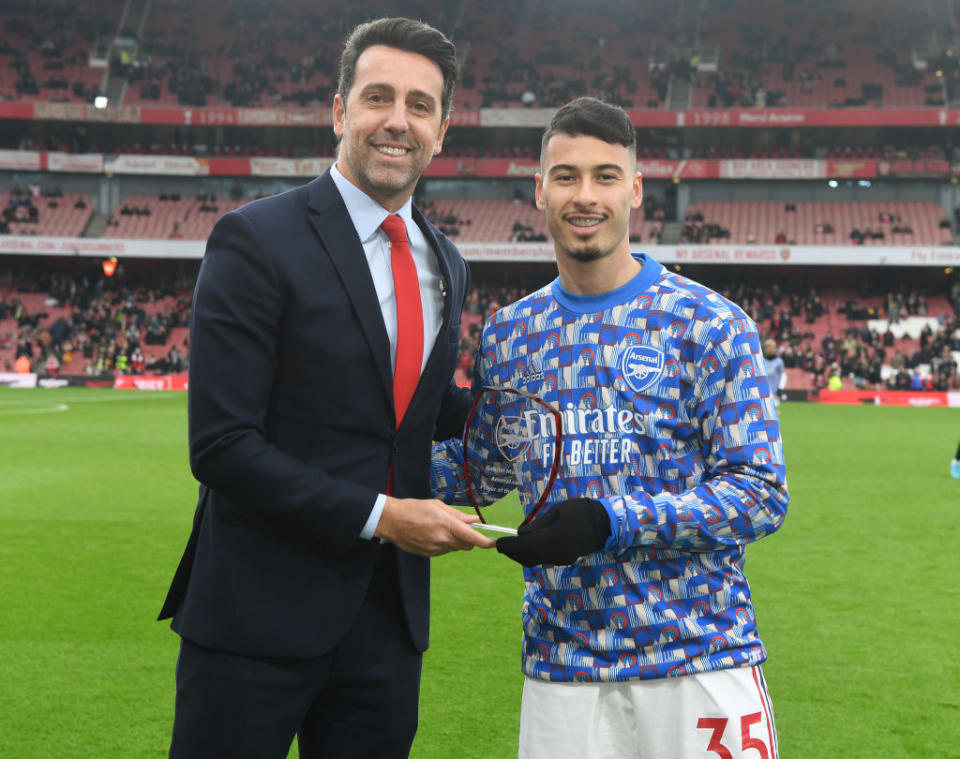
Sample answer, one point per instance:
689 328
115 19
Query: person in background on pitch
640 638
775 370
955 464
326 322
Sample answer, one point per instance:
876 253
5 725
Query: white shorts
714 715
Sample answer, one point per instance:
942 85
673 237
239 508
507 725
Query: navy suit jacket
293 431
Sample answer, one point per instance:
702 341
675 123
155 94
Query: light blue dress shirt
367 215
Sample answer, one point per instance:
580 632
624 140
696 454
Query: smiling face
588 188
390 126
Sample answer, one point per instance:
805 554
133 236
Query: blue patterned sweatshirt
669 422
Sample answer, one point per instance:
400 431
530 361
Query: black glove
569 530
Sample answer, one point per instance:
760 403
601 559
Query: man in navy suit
302 598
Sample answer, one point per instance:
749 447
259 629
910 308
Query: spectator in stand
52 364
137 361
177 362
835 381
24 346
900 380
655 209
776 371
943 365
917 380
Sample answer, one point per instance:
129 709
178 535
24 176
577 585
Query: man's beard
385 183
588 254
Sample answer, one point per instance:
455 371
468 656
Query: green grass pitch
857 595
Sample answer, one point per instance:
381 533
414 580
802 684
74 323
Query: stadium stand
654 55
523 56
466 220
815 55
852 222
866 338
736 53
63 215
244 54
241 58
86 324
840 339
168 217
264 56
46 49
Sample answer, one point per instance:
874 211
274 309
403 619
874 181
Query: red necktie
406 285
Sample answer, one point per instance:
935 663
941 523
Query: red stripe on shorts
761 688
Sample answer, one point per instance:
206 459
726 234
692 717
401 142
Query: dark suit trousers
359 699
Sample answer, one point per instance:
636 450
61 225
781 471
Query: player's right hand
569 530
428 527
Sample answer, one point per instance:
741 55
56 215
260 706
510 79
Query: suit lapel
446 281
448 302
339 237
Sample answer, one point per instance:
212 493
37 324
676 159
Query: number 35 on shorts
750 739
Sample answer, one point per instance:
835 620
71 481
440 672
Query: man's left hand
569 530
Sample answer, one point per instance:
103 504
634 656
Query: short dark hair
403 34
589 117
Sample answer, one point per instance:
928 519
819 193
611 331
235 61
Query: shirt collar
650 272
366 214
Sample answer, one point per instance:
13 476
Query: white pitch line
153 395
8 405
44 410
135 396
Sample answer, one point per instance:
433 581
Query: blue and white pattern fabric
669 422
